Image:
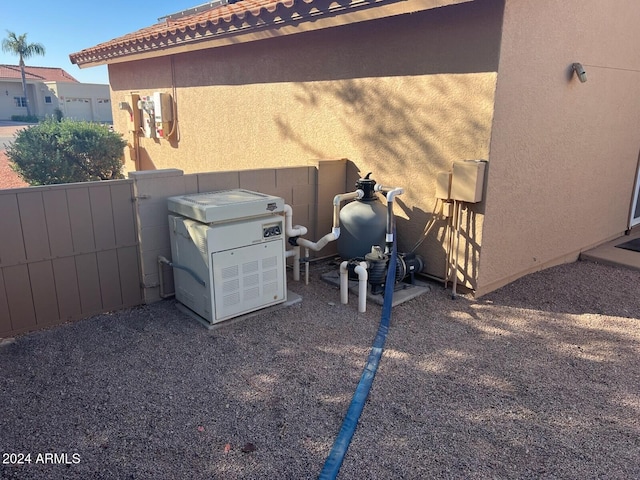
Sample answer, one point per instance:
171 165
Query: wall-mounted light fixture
578 69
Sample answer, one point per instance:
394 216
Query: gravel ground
537 380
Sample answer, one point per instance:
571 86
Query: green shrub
66 151
24 118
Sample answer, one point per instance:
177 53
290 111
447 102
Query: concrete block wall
152 188
308 189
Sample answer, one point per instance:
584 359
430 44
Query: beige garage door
78 108
103 110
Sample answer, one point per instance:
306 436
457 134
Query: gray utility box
228 252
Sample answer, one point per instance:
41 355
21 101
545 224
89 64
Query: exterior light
579 71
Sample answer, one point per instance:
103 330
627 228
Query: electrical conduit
391 194
336 456
166 261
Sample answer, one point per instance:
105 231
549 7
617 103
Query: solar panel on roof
197 9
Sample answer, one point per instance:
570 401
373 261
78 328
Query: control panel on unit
271 230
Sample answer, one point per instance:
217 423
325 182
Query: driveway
8 130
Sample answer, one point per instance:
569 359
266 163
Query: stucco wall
9 90
563 153
402 97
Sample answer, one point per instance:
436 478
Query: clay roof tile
211 22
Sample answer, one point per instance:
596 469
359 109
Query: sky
69 26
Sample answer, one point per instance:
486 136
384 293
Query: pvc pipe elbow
296 231
392 192
329 237
347 196
319 245
292 231
361 270
363 277
344 283
359 193
343 266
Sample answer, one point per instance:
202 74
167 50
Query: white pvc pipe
392 192
292 231
320 244
363 276
335 230
344 283
295 253
299 230
338 199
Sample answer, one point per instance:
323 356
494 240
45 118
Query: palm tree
17 44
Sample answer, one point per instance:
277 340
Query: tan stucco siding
403 98
563 153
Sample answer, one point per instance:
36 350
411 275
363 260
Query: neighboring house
404 88
51 88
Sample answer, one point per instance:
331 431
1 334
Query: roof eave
242 32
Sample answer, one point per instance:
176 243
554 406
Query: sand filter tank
363 222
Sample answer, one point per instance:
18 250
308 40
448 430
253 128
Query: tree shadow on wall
406 130
399 122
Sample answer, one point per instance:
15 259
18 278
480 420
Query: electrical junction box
147 116
228 252
467 180
443 185
163 113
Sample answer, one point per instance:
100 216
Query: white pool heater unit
228 252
